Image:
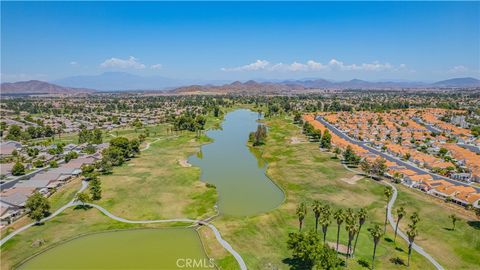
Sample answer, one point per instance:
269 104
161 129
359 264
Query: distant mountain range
458 82
118 81
295 85
39 87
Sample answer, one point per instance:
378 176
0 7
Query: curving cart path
392 222
74 202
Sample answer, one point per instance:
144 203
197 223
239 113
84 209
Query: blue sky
223 40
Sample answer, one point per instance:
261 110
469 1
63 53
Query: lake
131 249
239 176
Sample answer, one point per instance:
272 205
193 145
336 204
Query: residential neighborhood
431 161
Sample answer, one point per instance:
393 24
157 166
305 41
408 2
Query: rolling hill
39 87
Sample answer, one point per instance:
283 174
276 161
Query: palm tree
411 233
339 216
362 217
388 194
317 210
415 219
352 229
376 233
400 214
325 220
301 213
454 219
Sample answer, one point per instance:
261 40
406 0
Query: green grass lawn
305 173
458 249
155 185
151 186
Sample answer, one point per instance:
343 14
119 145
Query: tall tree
309 253
376 234
351 227
388 192
83 197
411 233
415 219
326 141
317 210
366 166
454 220
38 206
301 214
379 166
362 217
95 188
339 217
325 220
400 214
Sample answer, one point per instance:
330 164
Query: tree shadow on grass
82 207
447 229
474 224
399 249
296 264
388 239
364 263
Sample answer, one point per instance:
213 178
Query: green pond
243 187
177 248
239 176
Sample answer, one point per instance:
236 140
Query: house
467 198
7 148
416 179
466 177
6 169
443 191
12 202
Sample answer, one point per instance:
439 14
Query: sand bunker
184 163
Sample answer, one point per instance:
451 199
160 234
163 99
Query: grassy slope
148 168
459 249
301 169
155 186
306 174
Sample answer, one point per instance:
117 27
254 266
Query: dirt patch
341 248
184 163
296 140
352 180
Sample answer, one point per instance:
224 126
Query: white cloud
257 65
131 62
73 63
156 66
463 70
312 65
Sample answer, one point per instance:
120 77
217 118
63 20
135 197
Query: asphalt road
407 165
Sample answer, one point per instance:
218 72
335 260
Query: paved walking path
158 139
392 222
74 202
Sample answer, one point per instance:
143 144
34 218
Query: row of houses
12 200
460 194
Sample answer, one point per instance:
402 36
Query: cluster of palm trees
323 216
354 220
